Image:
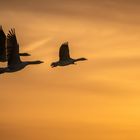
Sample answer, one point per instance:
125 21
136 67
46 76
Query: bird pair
3 46
9 51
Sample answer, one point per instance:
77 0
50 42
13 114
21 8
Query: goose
14 62
3 46
64 57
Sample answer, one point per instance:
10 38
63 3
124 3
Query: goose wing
2 44
64 52
12 49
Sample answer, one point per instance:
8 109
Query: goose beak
28 54
52 66
41 61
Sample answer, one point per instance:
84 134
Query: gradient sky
93 100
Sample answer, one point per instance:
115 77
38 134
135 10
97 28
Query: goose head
24 54
54 64
38 62
82 59
34 62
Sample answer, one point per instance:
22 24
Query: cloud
36 45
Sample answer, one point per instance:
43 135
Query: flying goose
3 47
64 57
14 63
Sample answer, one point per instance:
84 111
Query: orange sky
93 100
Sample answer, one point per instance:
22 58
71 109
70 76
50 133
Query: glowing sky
93 100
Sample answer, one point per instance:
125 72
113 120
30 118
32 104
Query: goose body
64 57
14 68
64 62
3 47
14 62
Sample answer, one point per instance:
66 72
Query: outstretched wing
12 49
64 52
2 44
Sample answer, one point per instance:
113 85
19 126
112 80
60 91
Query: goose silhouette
64 57
14 63
3 47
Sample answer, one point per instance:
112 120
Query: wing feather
12 49
64 52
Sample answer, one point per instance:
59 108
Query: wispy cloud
36 44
